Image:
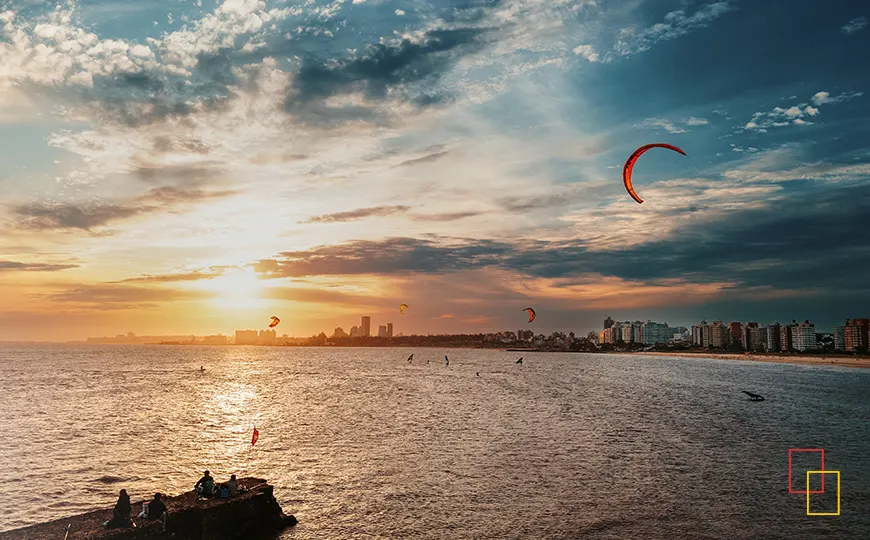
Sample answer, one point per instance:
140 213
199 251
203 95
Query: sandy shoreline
842 361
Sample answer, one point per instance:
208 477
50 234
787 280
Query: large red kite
629 166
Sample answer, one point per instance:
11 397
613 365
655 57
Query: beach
834 360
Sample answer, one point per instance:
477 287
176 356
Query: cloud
171 278
400 12
360 213
86 216
450 216
13 266
695 121
425 159
382 71
123 297
753 246
587 52
795 114
44 216
855 25
676 24
820 98
663 123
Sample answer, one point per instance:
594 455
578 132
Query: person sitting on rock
157 510
205 486
121 513
233 485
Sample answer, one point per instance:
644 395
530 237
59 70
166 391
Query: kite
275 321
520 361
629 166
446 360
255 436
402 308
531 313
410 358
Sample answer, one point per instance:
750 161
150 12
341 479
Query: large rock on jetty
249 514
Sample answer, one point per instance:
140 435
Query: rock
249 514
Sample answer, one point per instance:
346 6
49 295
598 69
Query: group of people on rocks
155 509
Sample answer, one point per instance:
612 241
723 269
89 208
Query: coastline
834 360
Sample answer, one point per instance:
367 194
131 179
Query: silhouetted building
718 335
608 322
219 339
389 329
355 332
382 331
246 337
366 326
339 333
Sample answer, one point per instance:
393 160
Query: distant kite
255 436
275 321
402 308
410 358
629 166
532 314
520 361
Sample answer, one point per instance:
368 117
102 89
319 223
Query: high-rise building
735 329
855 334
697 334
718 335
382 331
246 337
652 333
803 336
354 331
389 329
750 337
608 322
839 338
626 333
366 326
219 339
771 338
785 336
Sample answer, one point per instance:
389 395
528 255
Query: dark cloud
444 217
425 159
170 278
381 69
163 145
820 246
14 266
47 216
170 195
181 175
71 216
360 213
124 296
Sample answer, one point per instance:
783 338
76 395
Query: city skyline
186 167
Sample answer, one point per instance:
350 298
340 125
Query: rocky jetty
250 514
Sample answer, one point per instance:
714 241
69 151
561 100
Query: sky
179 166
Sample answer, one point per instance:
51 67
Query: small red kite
255 437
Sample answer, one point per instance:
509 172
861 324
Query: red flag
255 437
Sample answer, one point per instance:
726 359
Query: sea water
360 443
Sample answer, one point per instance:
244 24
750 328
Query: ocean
361 444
